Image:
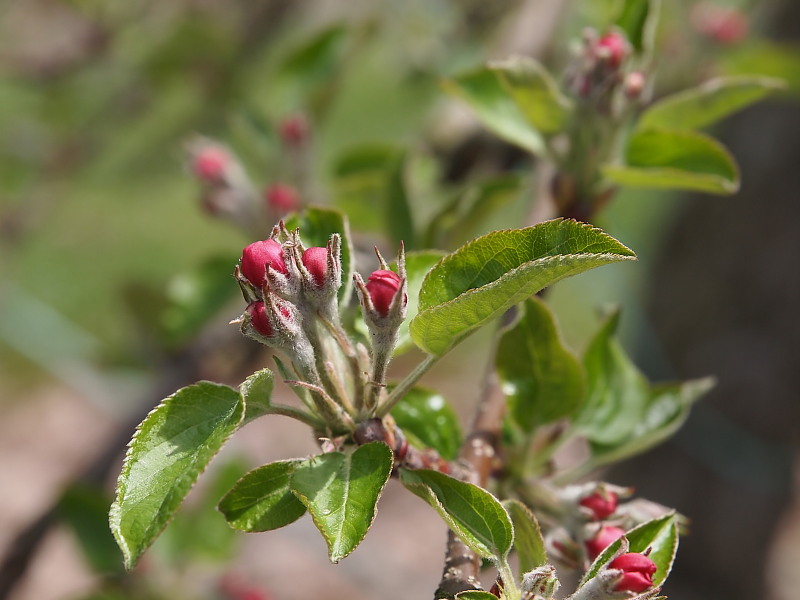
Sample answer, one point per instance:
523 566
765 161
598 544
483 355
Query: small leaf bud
637 572
542 582
602 503
382 286
315 259
605 536
257 257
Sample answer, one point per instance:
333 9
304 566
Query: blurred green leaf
542 380
480 281
317 225
262 499
341 493
428 421
169 450
708 103
639 19
471 512
399 221
475 595
662 158
483 91
85 509
535 93
765 58
528 540
195 296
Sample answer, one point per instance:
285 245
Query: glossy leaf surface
662 158
428 421
341 493
542 380
481 280
262 499
169 450
471 512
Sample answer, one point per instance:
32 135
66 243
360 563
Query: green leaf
780 60
417 266
399 221
85 509
660 535
623 414
528 540
535 93
262 499
428 421
666 409
475 595
194 297
169 450
482 90
542 380
481 280
317 225
662 158
471 512
638 19
708 103
256 393
341 493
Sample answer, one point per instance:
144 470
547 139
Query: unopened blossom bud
258 256
602 503
294 130
542 582
257 312
637 572
722 24
316 261
382 286
633 86
613 48
210 163
605 536
282 198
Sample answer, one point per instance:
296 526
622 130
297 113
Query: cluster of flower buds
625 575
601 68
293 306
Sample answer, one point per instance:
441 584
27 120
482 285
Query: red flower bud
615 47
601 503
293 130
722 24
209 164
382 286
605 536
257 257
637 572
282 198
259 319
316 261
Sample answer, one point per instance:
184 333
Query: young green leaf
428 421
662 158
316 225
341 493
84 509
169 450
638 18
471 512
256 393
482 90
262 499
475 595
708 103
535 93
528 540
660 535
399 220
417 266
542 380
481 280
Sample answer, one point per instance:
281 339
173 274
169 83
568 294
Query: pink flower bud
282 198
209 164
294 130
604 537
602 503
615 48
382 286
316 261
259 319
257 257
634 85
722 24
637 572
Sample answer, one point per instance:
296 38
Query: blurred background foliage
100 220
